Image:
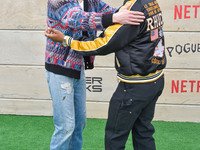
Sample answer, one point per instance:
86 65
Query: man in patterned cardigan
65 68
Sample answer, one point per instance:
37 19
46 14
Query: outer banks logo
186 12
94 84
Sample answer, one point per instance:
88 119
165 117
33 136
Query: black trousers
132 109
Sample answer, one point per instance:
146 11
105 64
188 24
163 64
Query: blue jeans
69 110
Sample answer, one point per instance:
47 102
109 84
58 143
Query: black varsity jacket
139 50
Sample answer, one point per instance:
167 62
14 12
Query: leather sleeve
114 38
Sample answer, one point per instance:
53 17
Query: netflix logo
185 86
186 11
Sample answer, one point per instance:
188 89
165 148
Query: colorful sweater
68 17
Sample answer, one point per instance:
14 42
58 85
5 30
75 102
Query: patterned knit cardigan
68 17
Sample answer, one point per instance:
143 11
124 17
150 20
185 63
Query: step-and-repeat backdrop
23 87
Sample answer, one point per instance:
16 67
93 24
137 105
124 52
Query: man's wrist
114 18
67 41
64 43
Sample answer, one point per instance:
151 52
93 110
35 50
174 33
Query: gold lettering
159 10
155 7
151 13
149 9
150 24
155 61
151 4
160 19
163 61
145 6
154 22
155 18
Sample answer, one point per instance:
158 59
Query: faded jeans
69 110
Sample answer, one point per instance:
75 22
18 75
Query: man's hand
124 16
54 35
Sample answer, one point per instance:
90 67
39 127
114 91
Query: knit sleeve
105 8
71 15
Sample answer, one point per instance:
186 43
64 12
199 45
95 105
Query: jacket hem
140 79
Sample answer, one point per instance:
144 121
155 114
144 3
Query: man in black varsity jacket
139 60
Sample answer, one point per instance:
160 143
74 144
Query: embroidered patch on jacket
159 49
157 33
